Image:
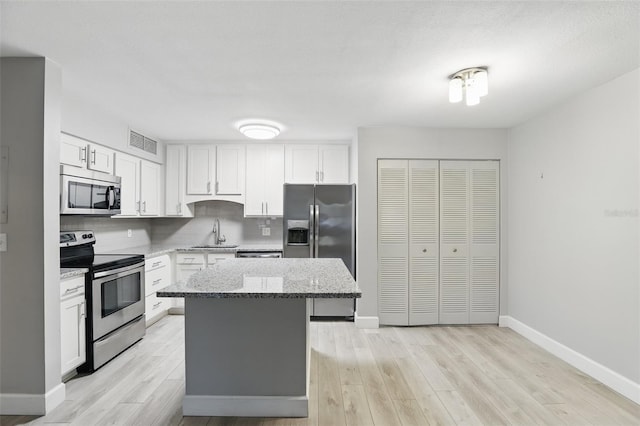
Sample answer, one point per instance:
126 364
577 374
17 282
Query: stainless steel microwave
86 192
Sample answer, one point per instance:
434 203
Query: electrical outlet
3 242
129 233
266 231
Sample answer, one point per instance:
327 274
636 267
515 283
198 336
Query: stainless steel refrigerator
319 221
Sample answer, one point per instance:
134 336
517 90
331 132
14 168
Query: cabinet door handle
455 250
83 155
138 206
155 305
321 176
83 311
262 204
144 206
267 207
156 282
209 187
93 153
317 176
179 208
217 185
154 264
73 290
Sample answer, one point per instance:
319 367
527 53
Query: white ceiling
190 70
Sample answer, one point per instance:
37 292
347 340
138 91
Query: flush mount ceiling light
472 83
259 130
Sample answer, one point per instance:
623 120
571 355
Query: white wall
30 268
380 142
89 121
573 225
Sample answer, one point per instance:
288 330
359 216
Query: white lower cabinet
72 324
188 263
213 258
157 275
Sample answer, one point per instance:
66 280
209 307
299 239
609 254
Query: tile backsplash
112 233
199 230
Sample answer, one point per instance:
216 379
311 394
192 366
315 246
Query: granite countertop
269 278
153 250
72 272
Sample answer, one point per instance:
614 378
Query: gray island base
247 350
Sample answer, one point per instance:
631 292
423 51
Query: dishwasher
259 254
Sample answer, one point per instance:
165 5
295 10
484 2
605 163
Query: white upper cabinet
216 170
73 151
201 162
100 159
317 163
140 191
301 164
175 181
128 168
230 169
265 177
78 152
149 188
333 166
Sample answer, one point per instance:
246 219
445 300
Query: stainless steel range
114 289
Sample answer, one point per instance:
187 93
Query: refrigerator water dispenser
297 233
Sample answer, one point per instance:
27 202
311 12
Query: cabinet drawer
155 280
190 258
216 257
72 287
157 263
155 305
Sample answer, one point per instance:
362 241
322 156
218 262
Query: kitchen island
247 350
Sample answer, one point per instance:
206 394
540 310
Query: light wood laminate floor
389 376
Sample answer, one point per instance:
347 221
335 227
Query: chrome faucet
218 240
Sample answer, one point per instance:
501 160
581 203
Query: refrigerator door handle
317 230
311 230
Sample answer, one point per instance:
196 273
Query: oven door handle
118 271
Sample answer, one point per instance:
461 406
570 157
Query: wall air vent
142 142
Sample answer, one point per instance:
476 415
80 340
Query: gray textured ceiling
190 70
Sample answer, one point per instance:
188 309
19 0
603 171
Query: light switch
3 242
266 231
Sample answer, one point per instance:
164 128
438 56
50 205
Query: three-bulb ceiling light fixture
259 130
469 82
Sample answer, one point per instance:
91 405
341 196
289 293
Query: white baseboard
26 404
366 322
245 406
614 380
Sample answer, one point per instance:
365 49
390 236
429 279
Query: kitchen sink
222 246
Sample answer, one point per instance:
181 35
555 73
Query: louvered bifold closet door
393 242
423 242
454 242
484 248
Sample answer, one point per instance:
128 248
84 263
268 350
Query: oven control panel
74 238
